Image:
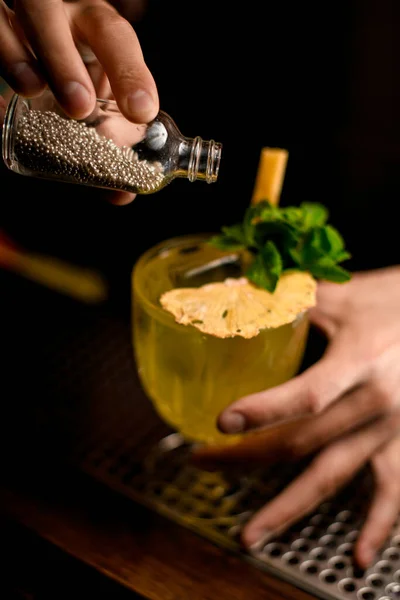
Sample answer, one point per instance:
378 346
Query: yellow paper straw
270 175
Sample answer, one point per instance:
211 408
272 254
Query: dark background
320 79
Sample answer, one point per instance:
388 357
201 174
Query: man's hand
81 49
41 40
344 411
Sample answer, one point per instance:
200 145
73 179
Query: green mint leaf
334 240
251 216
284 238
293 216
283 235
331 272
223 242
295 255
266 268
314 214
235 232
342 256
269 212
312 247
321 242
258 209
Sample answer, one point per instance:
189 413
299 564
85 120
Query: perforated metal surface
315 554
91 412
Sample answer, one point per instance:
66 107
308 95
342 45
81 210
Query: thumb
307 394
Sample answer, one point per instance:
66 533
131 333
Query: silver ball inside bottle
156 136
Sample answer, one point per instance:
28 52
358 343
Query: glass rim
153 251
137 287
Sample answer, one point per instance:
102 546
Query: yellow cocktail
191 376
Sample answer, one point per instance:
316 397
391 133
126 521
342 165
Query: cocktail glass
189 376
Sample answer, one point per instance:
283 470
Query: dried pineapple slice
236 307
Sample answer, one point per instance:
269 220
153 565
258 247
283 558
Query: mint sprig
285 238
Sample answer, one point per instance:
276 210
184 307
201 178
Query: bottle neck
199 159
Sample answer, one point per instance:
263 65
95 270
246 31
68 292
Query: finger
326 323
96 72
100 81
385 506
114 197
331 299
121 198
131 81
355 409
299 438
327 314
307 394
48 31
328 472
257 448
17 65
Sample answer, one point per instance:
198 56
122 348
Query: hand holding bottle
79 49
47 41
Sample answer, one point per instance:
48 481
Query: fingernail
77 93
141 105
232 422
261 539
26 75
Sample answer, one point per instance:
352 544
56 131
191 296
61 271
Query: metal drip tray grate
93 414
315 554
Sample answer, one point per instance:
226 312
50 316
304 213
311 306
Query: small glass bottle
104 150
